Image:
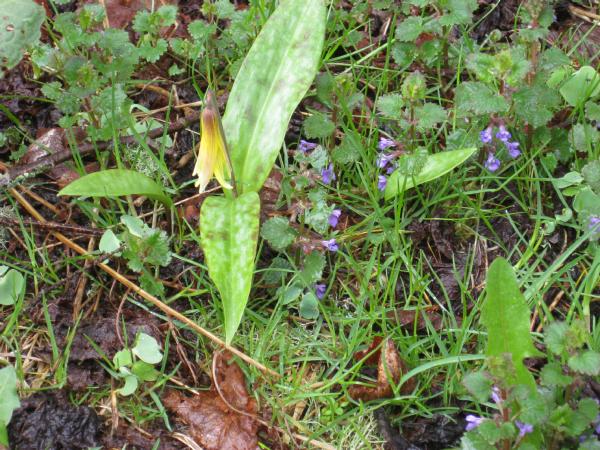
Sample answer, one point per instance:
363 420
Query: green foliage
477 98
266 94
10 400
312 270
309 306
318 126
12 285
278 233
390 105
434 166
505 314
229 235
135 365
20 23
581 86
116 183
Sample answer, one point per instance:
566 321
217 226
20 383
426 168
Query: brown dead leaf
212 421
390 368
406 318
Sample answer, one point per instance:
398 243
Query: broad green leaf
12 285
278 232
583 84
9 398
435 166
123 358
228 234
20 23
309 306
109 242
147 349
505 314
115 183
275 75
131 384
144 371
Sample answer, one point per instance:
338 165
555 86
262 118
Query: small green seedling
136 365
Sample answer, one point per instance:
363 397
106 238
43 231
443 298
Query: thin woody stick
142 293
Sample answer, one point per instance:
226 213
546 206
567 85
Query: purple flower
386 143
331 245
503 134
320 290
596 424
383 160
492 163
327 175
473 422
381 183
524 428
594 223
485 136
513 149
334 217
390 169
305 146
496 396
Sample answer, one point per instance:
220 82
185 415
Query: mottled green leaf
275 75
505 314
116 183
278 232
229 233
435 166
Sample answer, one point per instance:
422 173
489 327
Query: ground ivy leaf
349 150
309 306
278 232
429 115
390 105
409 29
505 315
586 362
552 375
313 268
12 285
109 242
536 104
318 126
229 233
477 98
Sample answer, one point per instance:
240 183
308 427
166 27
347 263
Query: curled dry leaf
390 368
214 423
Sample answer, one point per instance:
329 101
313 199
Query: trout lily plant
240 151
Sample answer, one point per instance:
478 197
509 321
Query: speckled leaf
273 78
228 234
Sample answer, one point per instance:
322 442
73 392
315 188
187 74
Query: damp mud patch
51 422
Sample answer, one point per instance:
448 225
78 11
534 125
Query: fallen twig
141 292
87 148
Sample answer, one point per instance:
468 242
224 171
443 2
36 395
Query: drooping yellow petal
212 159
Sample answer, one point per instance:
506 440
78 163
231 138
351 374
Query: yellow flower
212 158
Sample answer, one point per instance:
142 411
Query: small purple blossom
473 422
383 160
594 223
305 146
390 169
334 217
492 163
327 175
331 245
513 149
386 143
503 134
596 424
485 136
496 396
320 291
524 428
381 183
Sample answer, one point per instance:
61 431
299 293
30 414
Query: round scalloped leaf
20 23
